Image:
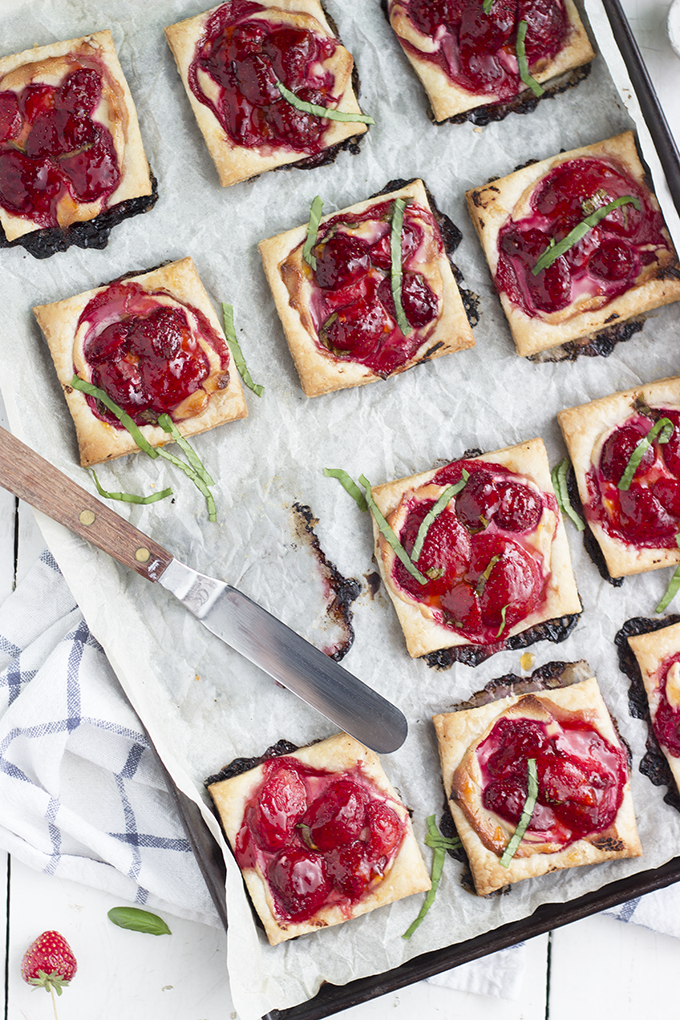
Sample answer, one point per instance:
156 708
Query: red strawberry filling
606 262
50 147
581 777
647 514
477 51
484 572
147 355
666 721
352 305
319 838
243 59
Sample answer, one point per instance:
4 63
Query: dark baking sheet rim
332 999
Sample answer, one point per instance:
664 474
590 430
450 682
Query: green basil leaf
487 5
315 211
430 517
389 535
523 63
663 429
527 812
558 477
348 485
396 275
321 111
481 583
554 250
194 470
125 419
168 425
236 352
129 497
673 585
438 859
135 919
439 842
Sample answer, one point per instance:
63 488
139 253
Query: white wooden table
596 966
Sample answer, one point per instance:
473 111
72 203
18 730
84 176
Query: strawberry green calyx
50 981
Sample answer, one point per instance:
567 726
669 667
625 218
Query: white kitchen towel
82 794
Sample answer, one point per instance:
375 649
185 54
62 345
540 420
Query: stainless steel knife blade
289 658
229 614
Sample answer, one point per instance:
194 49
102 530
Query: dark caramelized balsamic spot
654 764
604 263
244 58
556 630
343 591
321 838
240 765
600 344
50 147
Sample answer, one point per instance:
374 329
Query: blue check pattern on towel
81 791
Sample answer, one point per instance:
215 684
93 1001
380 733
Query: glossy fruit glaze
484 573
477 51
146 355
319 838
666 720
581 777
603 264
648 513
351 305
244 58
51 147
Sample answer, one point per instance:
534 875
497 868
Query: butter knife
225 611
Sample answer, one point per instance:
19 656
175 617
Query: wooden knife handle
33 479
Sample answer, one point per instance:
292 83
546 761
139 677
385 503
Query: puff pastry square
270 133
342 328
72 122
428 42
635 527
495 561
658 656
623 266
584 811
337 845
77 329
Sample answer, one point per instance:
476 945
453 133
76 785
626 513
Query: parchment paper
203 704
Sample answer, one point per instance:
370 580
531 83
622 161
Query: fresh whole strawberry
49 963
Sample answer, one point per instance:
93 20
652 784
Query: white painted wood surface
183 977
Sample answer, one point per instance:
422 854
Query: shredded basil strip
430 517
396 275
504 610
125 419
487 5
554 250
523 63
673 585
348 485
388 534
315 211
558 477
527 812
168 425
439 842
663 429
321 111
481 583
135 919
438 859
130 497
236 352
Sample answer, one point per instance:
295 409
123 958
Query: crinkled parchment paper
202 703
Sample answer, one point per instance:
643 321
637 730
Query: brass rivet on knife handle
35 480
